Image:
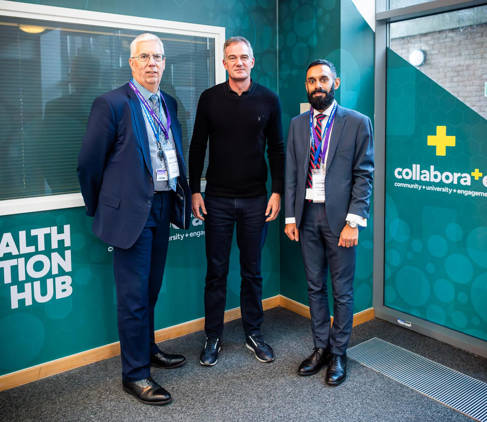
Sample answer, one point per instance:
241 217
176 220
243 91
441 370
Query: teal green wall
448 253
335 30
87 318
308 29
34 334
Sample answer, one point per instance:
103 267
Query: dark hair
323 62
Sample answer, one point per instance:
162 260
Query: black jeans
249 216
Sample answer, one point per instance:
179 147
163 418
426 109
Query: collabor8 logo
440 141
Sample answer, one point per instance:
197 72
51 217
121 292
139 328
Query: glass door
434 276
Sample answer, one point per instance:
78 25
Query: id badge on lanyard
172 162
161 175
317 192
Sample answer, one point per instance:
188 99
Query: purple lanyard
319 154
151 111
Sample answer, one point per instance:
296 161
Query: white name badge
317 192
161 175
172 163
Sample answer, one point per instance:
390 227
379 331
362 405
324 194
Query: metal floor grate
452 388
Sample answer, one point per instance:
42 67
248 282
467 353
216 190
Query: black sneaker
262 351
209 354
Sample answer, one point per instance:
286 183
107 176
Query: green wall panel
59 327
334 30
357 92
356 61
307 30
87 317
51 327
436 235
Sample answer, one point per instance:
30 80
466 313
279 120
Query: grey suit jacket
349 167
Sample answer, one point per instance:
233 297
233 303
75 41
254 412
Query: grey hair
144 37
237 39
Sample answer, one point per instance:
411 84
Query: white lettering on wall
31 276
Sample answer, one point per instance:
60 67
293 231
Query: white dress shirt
350 217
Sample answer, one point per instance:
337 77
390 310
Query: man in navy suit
133 181
329 170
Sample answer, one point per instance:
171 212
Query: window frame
108 20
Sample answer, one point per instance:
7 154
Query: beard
321 102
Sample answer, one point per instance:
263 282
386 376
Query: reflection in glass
48 81
454 46
394 4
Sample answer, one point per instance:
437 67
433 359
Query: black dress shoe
147 391
262 351
167 361
209 354
337 370
313 363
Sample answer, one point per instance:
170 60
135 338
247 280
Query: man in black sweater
239 117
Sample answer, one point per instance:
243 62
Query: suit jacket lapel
304 128
139 126
336 134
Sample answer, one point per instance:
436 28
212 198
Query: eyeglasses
144 58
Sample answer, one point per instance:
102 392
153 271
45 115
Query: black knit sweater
238 129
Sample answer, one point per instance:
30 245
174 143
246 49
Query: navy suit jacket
349 167
115 170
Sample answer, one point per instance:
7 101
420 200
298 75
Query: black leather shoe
313 363
167 361
147 391
337 370
262 351
209 354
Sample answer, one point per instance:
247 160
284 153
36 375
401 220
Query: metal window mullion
425 9
380 158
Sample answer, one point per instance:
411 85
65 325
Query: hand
273 207
292 231
348 237
198 202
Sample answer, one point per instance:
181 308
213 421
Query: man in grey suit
329 170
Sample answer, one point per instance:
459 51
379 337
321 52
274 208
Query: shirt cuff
360 221
290 220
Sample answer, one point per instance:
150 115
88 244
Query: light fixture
417 57
32 29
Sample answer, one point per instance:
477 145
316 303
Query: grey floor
239 388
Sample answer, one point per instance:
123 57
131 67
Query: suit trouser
249 216
138 277
320 250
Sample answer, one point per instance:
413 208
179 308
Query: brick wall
456 59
